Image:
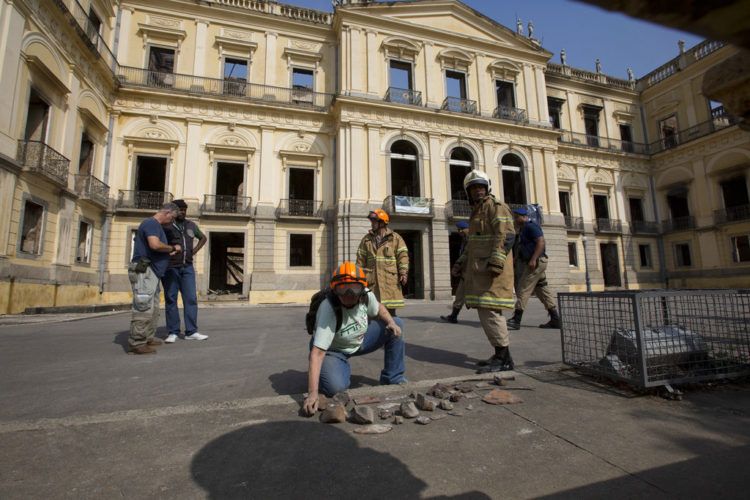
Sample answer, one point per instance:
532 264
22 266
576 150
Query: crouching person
343 328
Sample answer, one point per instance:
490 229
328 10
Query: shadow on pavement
295 382
429 319
302 460
440 356
121 338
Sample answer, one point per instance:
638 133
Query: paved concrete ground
80 419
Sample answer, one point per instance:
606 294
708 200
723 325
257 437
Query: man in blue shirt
330 349
151 253
532 264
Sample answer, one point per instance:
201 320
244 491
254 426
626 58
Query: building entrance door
227 263
414 288
610 264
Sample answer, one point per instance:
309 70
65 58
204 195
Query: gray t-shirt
354 323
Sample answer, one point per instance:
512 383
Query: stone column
358 153
541 94
375 167
529 90
436 166
270 76
356 55
7 194
125 34
64 230
550 169
190 165
432 81
201 31
373 83
11 35
71 143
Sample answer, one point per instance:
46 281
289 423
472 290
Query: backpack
317 299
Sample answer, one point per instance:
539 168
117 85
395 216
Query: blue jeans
182 280
335 374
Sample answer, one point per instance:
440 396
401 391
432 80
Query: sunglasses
348 290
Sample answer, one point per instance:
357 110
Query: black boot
500 362
554 320
453 316
514 323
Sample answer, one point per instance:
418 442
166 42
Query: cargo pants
145 307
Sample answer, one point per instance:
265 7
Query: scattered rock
439 416
440 391
398 420
456 397
413 394
384 413
501 397
409 410
423 420
362 415
465 387
388 406
471 395
342 398
373 429
469 407
500 381
445 405
455 413
482 385
425 404
366 400
334 414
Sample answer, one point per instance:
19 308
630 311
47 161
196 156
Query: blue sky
584 31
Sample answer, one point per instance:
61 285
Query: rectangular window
37 117
591 124
572 254
455 84
94 26
636 209
32 227
741 248
644 252
302 79
626 136
601 206
505 94
400 75
668 131
302 192
86 155
554 107
682 255
300 250
565 203
678 204
83 248
734 192
235 76
161 67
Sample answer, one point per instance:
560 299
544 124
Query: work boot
499 362
142 349
452 317
153 341
554 320
514 323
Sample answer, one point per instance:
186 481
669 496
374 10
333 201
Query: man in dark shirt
180 276
458 302
151 253
531 267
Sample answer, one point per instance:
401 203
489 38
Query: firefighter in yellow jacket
487 267
384 257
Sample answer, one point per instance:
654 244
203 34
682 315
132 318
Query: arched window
404 169
514 190
460 164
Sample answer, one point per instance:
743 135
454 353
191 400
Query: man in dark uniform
458 302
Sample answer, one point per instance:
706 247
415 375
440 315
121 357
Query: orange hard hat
379 214
348 272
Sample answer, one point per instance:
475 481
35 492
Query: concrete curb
78 309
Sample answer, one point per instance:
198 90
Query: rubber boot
500 362
453 316
554 320
514 323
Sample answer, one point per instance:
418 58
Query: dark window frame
311 256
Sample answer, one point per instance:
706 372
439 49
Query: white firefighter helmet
476 177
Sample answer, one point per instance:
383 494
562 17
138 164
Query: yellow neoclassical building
282 127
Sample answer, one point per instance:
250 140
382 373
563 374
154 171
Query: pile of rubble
453 400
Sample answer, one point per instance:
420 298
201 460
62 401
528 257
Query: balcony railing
408 205
573 223
644 227
88 32
678 224
403 96
732 214
607 226
36 156
225 204
458 105
720 119
142 200
507 113
89 187
457 209
300 208
595 141
190 84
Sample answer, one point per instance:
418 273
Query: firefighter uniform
384 261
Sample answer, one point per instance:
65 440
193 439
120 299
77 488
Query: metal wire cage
654 338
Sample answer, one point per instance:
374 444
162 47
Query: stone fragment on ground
482 385
398 420
384 413
362 415
445 405
471 395
423 420
409 409
334 414
500 381
501 397
465 387
342 398
440 391
424 403
456 397
469 407
455 413
373 429
439 416
366 400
